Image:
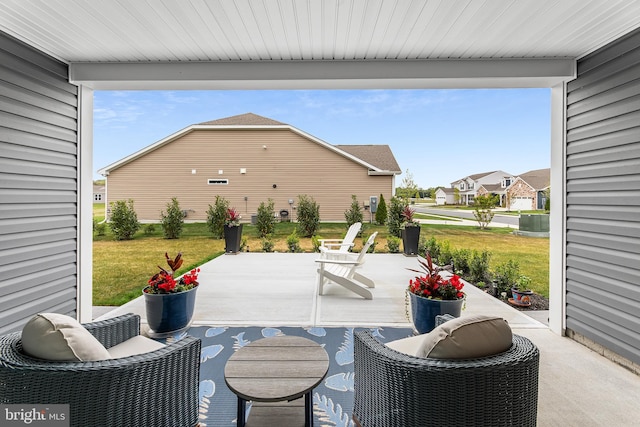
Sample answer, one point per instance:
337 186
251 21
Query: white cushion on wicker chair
54 336
468 337
465 337
136 345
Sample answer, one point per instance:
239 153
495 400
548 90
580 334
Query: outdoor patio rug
332 399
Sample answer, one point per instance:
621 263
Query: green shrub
216 215
123 221
354 213
505 275
395 218
293 242
460 261
446 253
243 245
99 228
173 220
308 215
393 244
265 219
381 212
149 229
267 243
432 247
315 242
479 271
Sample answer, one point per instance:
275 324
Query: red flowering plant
163 282
408 216
432 285
232 218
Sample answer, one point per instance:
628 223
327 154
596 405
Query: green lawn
122 268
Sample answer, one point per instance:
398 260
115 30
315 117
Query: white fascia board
371 74
381 172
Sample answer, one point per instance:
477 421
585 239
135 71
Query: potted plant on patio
410 232
521 292
432 295
170 302
232 231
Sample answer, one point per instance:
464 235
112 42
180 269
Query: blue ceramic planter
425 310
169 313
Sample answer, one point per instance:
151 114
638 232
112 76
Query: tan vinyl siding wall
293 163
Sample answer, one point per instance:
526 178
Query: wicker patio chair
396 389
159 388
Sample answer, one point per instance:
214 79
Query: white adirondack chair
329 247
343 272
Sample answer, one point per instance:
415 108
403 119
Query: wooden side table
276 369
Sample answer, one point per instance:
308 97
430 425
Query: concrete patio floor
577 386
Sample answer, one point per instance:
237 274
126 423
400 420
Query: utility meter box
373 204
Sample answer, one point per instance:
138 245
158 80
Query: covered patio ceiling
231 44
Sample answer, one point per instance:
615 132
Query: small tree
482 212
216 215
293 242
123 221
173 220
354 214
381 213
456 196
308 215
395 218
266 219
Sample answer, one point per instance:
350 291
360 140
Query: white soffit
377 40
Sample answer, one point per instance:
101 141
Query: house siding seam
38 185
294 164
603 199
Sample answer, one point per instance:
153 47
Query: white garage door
521 203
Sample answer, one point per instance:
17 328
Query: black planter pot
168 314
410 239
232 238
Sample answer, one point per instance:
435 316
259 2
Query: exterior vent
217 181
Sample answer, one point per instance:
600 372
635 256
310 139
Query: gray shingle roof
247 119
493 187
539 179
376 155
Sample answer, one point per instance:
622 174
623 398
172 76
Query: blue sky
438 135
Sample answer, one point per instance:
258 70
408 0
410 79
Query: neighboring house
445 196
529 190
98 194
493 189
469 186
249 159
